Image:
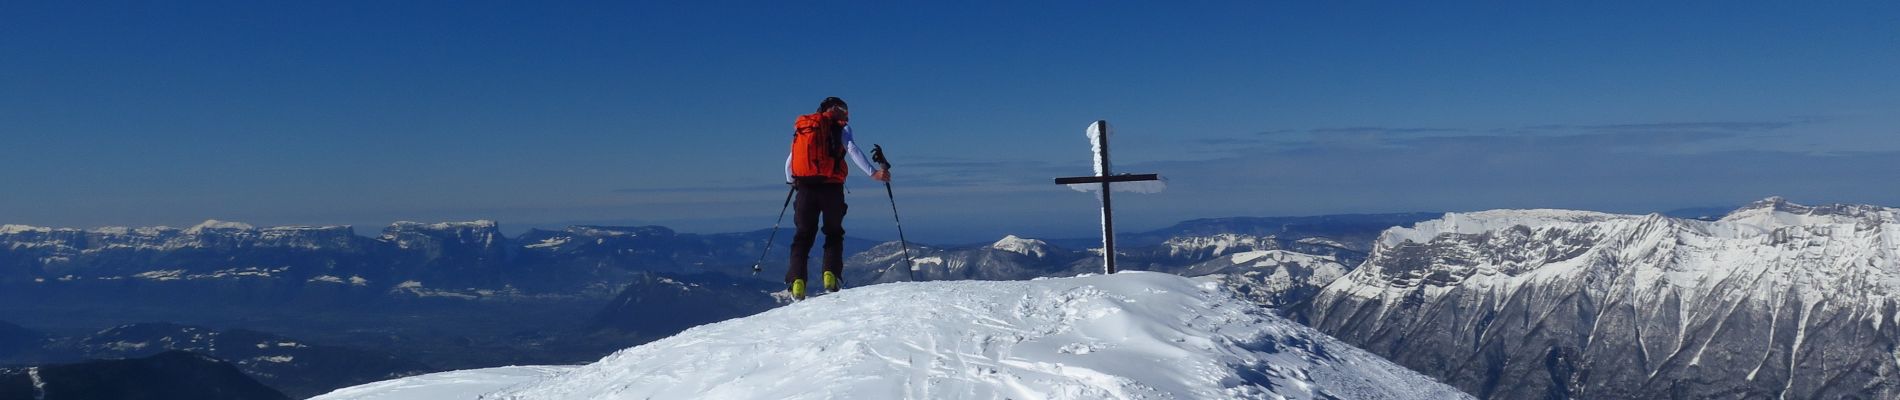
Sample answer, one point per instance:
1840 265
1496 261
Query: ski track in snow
1133 335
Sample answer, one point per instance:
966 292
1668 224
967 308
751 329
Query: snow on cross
1098 133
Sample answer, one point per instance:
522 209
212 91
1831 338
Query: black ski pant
817 200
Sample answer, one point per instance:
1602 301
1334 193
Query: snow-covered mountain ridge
1125 336
1272 278
1774 299
1216 245
1517 246
1019 245
69 242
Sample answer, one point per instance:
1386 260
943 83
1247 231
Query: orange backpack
818 148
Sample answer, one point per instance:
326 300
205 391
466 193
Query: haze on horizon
365 113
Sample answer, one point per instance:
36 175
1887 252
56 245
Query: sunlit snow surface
1132 335
467 384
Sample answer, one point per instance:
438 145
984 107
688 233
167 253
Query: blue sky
678 114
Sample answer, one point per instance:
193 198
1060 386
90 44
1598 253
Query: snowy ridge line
1124 336
65 243
476 224
213 224
1270 278
1759 218
11 229
1485 221
218 225
1279 256
1024 246
1653 240
1219 243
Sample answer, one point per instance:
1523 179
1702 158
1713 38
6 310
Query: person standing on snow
816 170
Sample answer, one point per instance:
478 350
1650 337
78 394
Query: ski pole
877 156
775 224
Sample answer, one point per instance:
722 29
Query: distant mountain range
1772 299
216 263
461 295
467 260
1344 238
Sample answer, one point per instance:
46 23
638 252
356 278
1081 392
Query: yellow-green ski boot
831 282
798 289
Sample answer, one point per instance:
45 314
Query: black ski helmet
831 102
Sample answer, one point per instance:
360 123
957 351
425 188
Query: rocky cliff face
1774 300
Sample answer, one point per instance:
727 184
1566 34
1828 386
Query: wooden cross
1098 137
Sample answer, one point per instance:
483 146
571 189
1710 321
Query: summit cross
1098 137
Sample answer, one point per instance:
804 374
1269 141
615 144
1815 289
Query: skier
815 169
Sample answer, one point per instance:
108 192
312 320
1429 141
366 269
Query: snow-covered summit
11 229
1776 212
212 224
147 231
1485 221
1124 336
617 231
408 234
443 226
1029 247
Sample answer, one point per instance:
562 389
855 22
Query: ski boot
831 282
798 289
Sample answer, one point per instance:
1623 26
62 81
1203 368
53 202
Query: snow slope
467 384
1133 335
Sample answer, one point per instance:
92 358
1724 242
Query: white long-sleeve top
850 147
